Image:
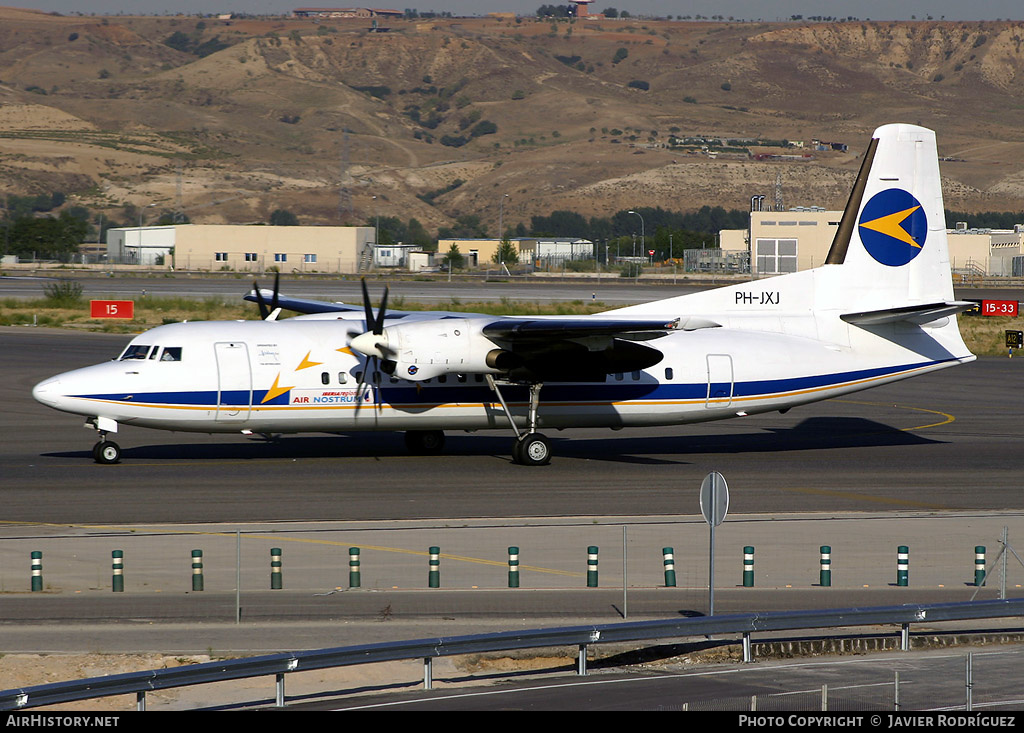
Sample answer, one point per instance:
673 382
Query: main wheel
532 449
424 442
107 451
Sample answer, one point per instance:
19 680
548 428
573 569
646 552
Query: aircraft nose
47 392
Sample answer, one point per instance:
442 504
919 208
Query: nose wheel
107 452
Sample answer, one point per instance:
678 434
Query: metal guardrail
427 649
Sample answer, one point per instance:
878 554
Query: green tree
48 237
283 218
454 259
506 253
467 226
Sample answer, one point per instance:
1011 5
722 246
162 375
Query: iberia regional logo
893 227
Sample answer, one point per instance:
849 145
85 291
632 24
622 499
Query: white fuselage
297 375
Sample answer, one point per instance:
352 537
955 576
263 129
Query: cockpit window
171 353
135 351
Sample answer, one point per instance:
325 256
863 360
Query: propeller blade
378 326
264 310
367 308
277 289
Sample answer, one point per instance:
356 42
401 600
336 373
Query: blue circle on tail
893 227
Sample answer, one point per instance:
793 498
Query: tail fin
891 242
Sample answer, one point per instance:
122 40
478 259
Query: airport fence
955 553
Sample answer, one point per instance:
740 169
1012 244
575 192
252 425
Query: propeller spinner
374 342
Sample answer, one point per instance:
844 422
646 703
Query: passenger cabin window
325 377
668 373
135 351
342 378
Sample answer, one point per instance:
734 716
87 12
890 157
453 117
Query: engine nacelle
421 350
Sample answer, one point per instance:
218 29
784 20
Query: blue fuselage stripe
604 392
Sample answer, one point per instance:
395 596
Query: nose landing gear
105 451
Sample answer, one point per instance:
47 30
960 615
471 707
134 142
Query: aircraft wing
300 305
912 313
517 330
315 307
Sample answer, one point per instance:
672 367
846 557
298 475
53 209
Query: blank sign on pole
714 505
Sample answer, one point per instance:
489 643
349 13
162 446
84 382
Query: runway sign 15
111 308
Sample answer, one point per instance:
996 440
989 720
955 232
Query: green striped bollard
197 569
434 577
979 564
902 565
748 567
37 570
117 568
825 573
353 567
513 567
275 568
592 567
669 556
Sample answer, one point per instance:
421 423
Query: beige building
243 248
475 251
788 241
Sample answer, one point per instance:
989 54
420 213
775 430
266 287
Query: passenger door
234 381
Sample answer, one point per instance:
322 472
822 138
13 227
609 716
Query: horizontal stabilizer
911 313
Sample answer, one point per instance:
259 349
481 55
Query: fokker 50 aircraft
879 310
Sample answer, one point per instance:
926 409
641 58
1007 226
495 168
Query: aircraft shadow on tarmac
816 433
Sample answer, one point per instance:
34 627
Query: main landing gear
530 448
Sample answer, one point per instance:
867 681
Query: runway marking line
870 499
882 499
948 418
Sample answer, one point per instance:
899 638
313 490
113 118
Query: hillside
229 120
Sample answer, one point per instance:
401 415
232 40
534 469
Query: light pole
501 233
643 246
501 215
376 225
